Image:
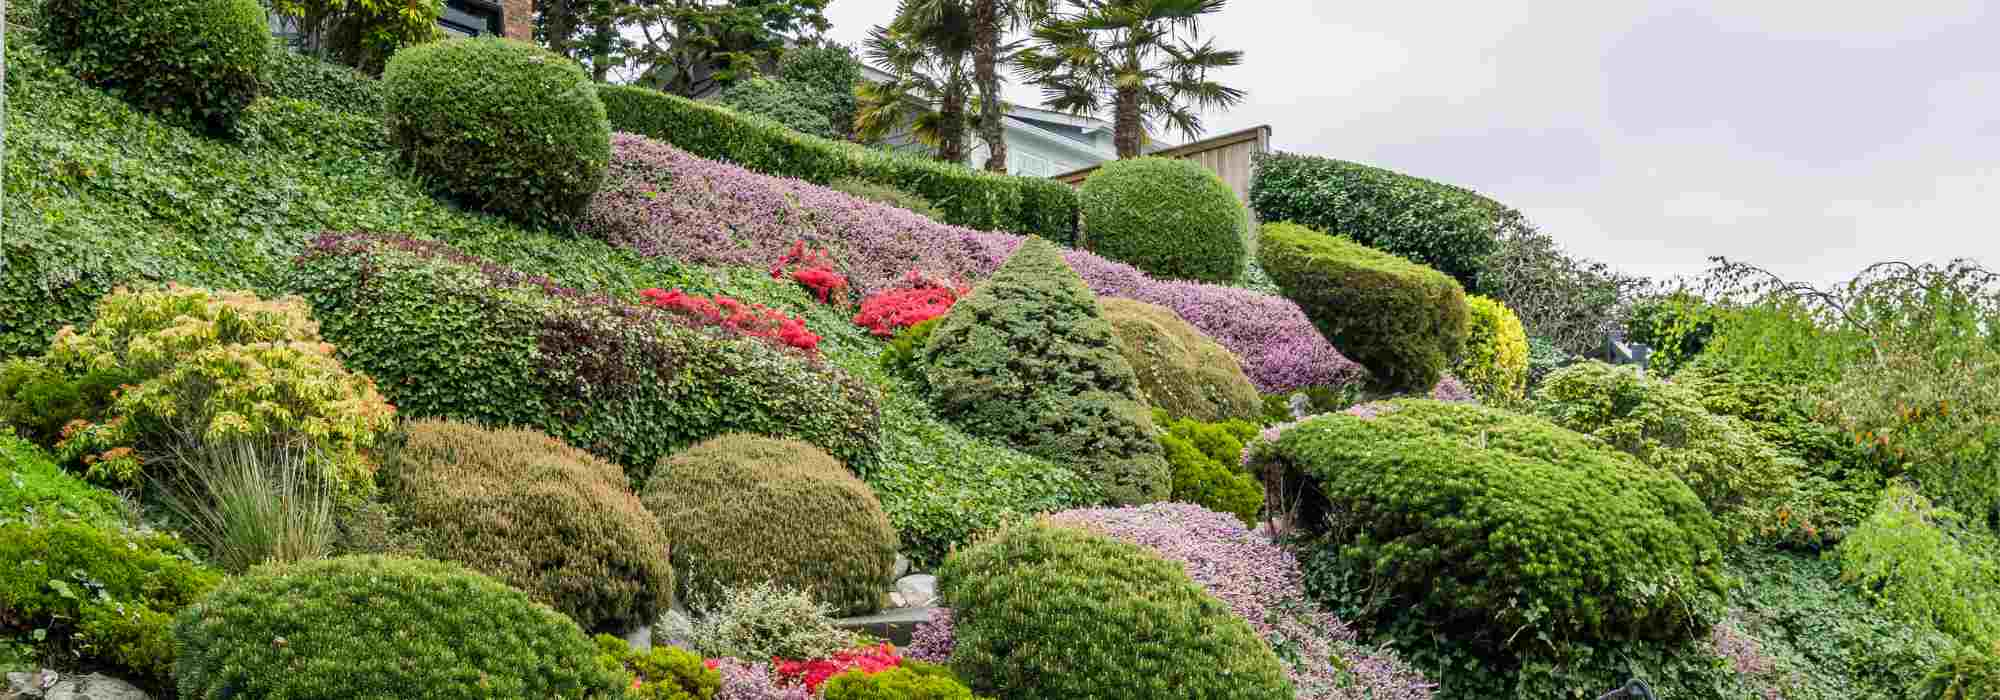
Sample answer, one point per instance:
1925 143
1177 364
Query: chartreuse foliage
378 628
1927 565
1170 217
1206 459
910 681
1043 611
1180 370
1403 321
195 61
1449 228
660 673
1495 364
31 485
1028 358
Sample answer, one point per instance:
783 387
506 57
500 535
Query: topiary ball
520 506
1170 217
195 60
501 125
744 509
1403 321
1495 363
380 627
1179 369
1041 611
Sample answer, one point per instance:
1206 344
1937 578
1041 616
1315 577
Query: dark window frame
459 16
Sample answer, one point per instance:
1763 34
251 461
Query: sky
1811 138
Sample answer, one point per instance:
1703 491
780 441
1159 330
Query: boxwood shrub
536 514
453 336
1170 217
1500 530
1044 611
1029 359
1449 228
1405 322
501 125
1180 370
1495 363
745 509
197 61
380 627
968 197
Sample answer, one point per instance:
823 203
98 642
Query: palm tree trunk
951 118
986 70
1128 132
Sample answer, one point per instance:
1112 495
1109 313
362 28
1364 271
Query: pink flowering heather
1261 582
933 641
661 201
1449 388
753 680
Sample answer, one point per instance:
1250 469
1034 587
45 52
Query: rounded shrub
1501 530
380 627
1028 358
764 621
536 514
1170 217
1495 363
745 509
196 60
913 680
1403 321
1180 370
96 593
1043 611
501 125
1206 459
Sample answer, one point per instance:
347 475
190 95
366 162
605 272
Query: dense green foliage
1568 301
906 682
551 520
1924 565
1042 611
1206 459
96 594
1180 370
1170 217
1403 321
829 69
32 486
451 336
197 61
1029 359
1971 672
334 86
660 673
743 509
501 125
762 621
1495 364
1448 228
884 194
379 628
1545 357
800 109
1675 325
967 197
1824 639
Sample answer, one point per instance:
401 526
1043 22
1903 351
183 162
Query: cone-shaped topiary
1043 611
195 60
1170 217
1495 364
520 506
1179 369
1403 321
1028 358
744 509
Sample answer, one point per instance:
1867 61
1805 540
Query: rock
894 625
896 601
902 566
917 590
640 638
47 685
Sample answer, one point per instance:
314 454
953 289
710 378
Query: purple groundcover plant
933 641
753 680
661 201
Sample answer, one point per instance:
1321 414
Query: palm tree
1137 55
990 21
928 90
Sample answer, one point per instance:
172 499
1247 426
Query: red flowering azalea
752 320
813 672
921 300
814 269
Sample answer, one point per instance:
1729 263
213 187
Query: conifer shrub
1502 531
745 509
554 521
380 627
196 61
1495 364
1403 321
1169 217
1180 370
1043 611
1207 464
502 125
1028 358
660 673
910 681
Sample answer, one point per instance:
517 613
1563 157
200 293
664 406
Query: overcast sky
1809 137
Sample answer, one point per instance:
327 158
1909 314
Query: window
468 18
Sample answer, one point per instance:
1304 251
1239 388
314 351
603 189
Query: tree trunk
558 25
951 118
1128 132
986 70
601 38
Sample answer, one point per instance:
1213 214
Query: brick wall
518 16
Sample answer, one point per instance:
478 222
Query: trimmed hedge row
449 335
1403 321
967 197
1449 228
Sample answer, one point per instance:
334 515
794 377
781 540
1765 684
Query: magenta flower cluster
933 641
753 680
661 201
1449 388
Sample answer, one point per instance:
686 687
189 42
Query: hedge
1405 322
1449 228
968 197
197 61
449 335
1170 217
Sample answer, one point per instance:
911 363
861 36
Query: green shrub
885 194
1924 564
1029 359
378 628
197 61
1179 369
501 125
763 621
900 683
1664 424
1449 228
743 509
1042 611
309 129
1676 326
1824 636
1971 672
31 485
96 594
452 336
799 108
659 673
333 86
1201 479
361 34
1169 217
551 520
1499 530
830 69
1495 365
1403 321
1543 358
968 197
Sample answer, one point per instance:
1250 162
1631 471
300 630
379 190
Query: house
513 19
1040 143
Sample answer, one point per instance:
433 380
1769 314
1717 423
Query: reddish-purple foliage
933 641
1449 388
661 201
1261 582
753 680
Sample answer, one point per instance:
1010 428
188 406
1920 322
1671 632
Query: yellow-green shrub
1495 363
1403 321
1180 370
659 673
